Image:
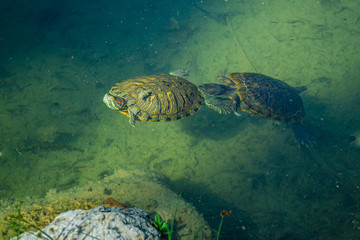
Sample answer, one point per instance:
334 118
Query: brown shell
268 97
159 97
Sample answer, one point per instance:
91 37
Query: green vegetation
18 224
36 217
162 225
222 214
30 221
201 232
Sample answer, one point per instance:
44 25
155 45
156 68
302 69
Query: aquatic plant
37 217
162 225
201 231
17 222
222 215
173 220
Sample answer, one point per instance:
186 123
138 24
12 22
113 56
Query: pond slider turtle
261 95
158 98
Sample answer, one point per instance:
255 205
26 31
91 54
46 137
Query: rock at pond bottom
99 223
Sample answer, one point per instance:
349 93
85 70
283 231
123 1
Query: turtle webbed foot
220 105
303 136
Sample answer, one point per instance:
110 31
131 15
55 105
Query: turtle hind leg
302 135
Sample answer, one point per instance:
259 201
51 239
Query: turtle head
180 73
114 102
214 89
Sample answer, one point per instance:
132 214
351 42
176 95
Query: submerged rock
141 188
99 223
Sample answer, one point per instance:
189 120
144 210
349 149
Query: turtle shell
159 98
268 98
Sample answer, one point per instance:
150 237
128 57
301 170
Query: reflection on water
58 60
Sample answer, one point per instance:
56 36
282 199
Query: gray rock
99 223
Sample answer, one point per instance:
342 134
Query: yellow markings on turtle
124 112
155 105
149 103
158 97
161 99
180 101
171 100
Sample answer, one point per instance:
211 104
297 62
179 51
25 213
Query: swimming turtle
261 95
158 98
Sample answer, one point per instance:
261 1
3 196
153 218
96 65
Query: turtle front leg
131 118
236 103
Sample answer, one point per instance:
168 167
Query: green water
59 59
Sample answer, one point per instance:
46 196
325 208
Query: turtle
156 98
261 95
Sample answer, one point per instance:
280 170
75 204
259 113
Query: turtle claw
238 114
